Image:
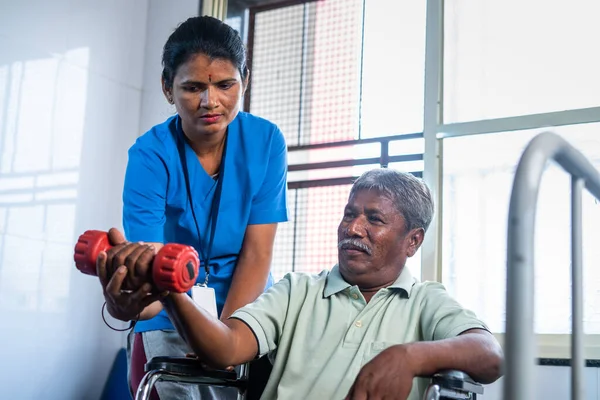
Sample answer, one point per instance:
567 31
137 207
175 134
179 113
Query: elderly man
365 329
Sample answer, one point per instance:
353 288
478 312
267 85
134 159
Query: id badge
204 296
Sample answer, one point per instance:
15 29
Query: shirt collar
335 282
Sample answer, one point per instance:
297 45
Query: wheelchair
444 385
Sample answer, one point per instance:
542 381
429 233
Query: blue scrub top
156 207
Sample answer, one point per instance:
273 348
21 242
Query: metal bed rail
520 337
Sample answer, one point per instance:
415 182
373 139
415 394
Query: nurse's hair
410 194
202 35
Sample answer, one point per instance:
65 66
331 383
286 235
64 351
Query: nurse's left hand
387 376
125 305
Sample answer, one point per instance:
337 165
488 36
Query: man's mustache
354 244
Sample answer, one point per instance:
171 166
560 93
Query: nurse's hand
124 305
136 257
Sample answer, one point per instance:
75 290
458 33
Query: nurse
212 177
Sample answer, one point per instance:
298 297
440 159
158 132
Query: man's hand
387 376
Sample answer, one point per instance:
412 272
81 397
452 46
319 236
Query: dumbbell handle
174 268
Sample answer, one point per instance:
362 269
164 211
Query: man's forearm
212 340
475 352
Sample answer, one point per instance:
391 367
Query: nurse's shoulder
157 141
259 132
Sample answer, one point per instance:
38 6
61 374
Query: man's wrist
413 356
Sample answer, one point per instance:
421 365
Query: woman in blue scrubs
211 173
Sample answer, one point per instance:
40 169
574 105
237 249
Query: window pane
511 57
393 68
477 180
276 68
306 70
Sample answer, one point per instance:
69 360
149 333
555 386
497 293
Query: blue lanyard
214 208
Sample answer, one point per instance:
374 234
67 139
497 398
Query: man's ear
415 240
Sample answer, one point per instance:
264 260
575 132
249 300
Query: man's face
372 240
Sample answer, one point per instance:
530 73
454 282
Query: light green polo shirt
320 330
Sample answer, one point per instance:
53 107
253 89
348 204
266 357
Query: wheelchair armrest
187 366
456 380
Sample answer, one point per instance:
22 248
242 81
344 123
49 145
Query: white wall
72 76
163 18
70 96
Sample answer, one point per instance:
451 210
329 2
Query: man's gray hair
409 193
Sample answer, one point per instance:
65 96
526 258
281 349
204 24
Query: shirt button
354 296
358 324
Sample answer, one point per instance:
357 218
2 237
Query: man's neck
369 289
368 293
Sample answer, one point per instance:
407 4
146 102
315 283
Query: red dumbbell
174 268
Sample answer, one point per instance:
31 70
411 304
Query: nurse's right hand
125 305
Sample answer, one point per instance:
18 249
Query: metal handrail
520 338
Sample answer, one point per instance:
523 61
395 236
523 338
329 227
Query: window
477 181
306 70
325 73
393 68
531 62
507 58
337 70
